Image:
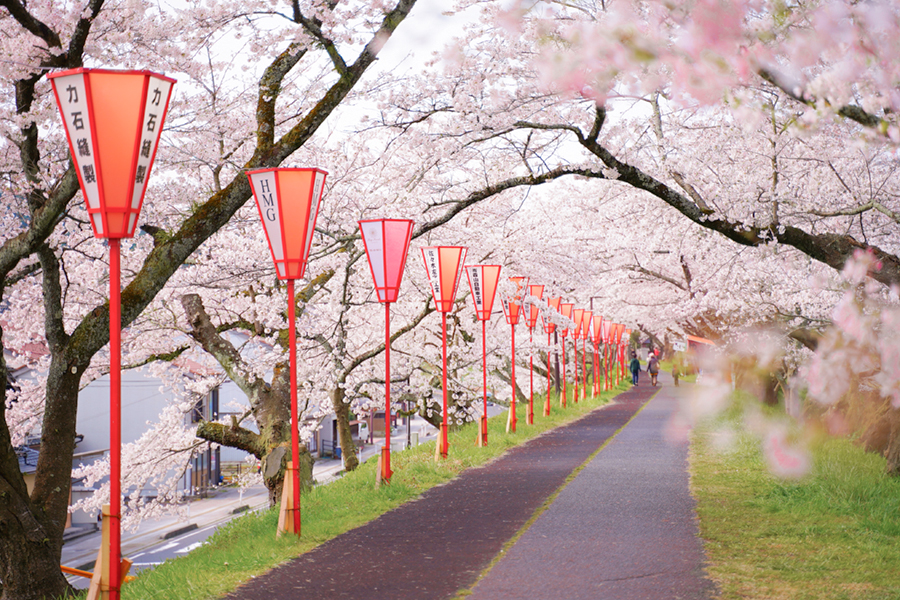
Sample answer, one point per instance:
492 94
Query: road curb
181 530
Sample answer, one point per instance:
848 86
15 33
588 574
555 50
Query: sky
428 29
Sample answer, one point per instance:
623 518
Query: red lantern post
288 202
597 339
387 243
512 308
607 338
483 285
585 336
536 291
442 264
576 335
113 120
617 340
550 328
566 311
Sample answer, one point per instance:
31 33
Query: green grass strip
247 547
835 534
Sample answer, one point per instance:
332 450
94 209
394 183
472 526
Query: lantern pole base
289 513
511 419
385 464
482 431
440 451
100 588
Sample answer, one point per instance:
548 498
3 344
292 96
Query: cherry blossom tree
298 61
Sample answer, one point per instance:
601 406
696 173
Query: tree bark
29 552
345 435
892 454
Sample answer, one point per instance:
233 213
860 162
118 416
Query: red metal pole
605 366
484 431
386 451
619 372
575 344
547 404
115 419
512 406
529 420
584 367
564 372
295 418
444 443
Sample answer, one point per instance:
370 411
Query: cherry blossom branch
850 212
657 275
203 331
496 188
854 113
314 28
30 23
829 248
397 334
233 436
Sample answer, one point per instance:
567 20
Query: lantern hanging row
113 121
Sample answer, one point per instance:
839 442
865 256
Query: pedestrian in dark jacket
635 367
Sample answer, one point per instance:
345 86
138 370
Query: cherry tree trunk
31 526
892 454
345 435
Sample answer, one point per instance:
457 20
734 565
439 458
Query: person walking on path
653 369
635 366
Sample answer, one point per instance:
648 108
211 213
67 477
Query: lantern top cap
80 70
307 169
393 220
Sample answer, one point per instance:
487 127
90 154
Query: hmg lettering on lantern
267 200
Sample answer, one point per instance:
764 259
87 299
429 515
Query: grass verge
247 547
835 534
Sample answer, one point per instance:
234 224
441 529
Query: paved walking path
442 543
624 528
